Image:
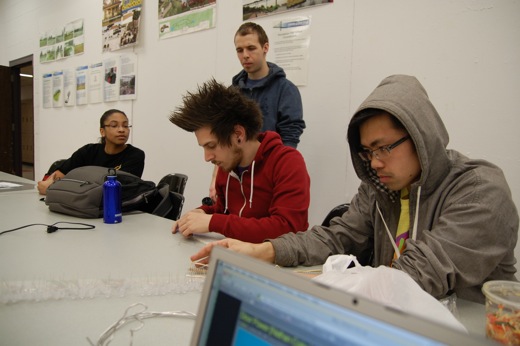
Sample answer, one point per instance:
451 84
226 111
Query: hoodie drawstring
240 179
252 180
415 221
388 231
416 218
227 189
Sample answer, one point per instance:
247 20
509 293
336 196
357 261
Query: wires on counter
106 337
54 227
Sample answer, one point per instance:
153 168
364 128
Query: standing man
263 187
446 220
266 83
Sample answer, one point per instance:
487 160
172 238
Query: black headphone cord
54 227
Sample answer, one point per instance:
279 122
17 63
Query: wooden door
6 122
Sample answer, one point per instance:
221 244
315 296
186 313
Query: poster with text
69 88
120 23
47 90
57 89
252 9
81 85
289 47
111 79
178 17
127 85
95 83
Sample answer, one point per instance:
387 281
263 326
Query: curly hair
220 108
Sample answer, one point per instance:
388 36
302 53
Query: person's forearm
265 252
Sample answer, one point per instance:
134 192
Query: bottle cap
112 172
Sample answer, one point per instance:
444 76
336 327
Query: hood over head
406 99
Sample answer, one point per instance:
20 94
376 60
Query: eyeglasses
380 153
117 126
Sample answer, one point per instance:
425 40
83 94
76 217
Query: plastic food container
503 311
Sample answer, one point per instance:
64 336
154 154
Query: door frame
16 117
6 111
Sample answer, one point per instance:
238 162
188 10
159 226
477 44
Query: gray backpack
80 192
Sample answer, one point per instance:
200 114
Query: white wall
466 54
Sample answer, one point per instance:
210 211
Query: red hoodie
271 197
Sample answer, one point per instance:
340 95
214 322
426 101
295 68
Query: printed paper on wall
121 23
182 17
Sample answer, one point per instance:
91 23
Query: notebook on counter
248 302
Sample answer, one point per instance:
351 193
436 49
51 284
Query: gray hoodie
466 222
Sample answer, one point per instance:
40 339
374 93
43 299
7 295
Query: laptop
249 302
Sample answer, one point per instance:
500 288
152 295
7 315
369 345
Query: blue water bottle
112 198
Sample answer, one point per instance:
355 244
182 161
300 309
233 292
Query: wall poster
289 41
120 23
178 17
112 79
81 85
252 9
63 42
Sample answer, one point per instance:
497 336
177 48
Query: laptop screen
258 304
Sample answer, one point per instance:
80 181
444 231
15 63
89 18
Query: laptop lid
249 302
